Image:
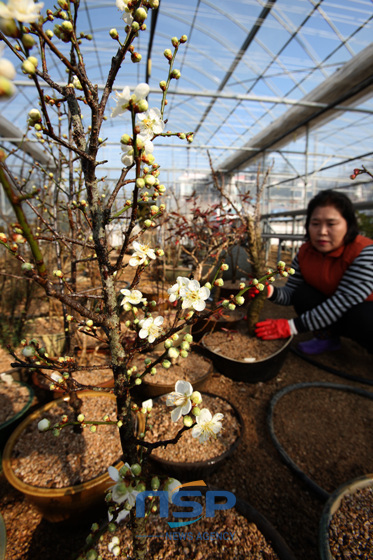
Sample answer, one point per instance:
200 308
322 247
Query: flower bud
188 338
154 4
136 469
175 42
240 300
196 411
114 34
224 267
162 84
33 61
3 237
166 364
28 67
168 54
142 106
175 74
9 28
80 418
28 351
149 180
196 397
43 425
34 115
27 266
136 57
155 483
281 264
173 353
67 27
140 15
231 307
260 287
188 421
28 41
219 282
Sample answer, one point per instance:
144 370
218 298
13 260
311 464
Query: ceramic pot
7 427
331 507
249 372
58 504
188 471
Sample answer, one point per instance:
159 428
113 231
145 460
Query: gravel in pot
346 526
189 459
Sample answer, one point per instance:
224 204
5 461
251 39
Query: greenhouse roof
249 69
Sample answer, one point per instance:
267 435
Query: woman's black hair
344 206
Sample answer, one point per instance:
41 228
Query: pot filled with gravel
245 358
346 526
67 475
185 460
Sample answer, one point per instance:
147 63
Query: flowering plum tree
89 212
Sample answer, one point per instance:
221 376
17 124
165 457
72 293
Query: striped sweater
345 276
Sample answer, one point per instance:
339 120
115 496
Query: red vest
324 271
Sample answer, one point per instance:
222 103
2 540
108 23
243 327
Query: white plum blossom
123 99
171 485
194 296
128 156
7 69
151 123
207 425
151 328
122 5
174 291
147 405
181 399
134 297
120 493
141 254
25 11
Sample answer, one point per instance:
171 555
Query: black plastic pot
189 471
249 372
332 506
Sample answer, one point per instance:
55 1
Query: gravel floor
317 428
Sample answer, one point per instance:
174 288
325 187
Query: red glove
272 329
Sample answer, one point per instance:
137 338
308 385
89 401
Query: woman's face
327 229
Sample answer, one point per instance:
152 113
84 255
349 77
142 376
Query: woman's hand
271 329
